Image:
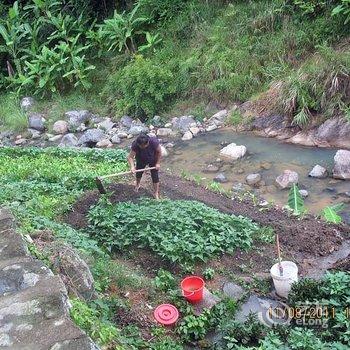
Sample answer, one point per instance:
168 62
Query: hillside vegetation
151 56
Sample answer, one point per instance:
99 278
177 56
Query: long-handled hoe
99 179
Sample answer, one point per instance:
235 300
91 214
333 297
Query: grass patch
12 118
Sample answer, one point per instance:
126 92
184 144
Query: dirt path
310 237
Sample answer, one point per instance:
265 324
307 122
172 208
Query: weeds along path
308 237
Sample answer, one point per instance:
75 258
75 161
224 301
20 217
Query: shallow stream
269 157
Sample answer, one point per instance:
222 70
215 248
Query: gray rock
233 290
163 132
91 137
168 125
69 140
275 122
136 129
194 130
20 141
55 138
107 124
27 103
115 139
319 172
126 121
187 136
238 187
122 135
304 193
211 127
164 151
263 308
60 127
334 132
35 134
36 121
341 168
76 118
219 118
105 143
183 123
75 268
220 178
169 145
233 152
253 179
209 300
287 179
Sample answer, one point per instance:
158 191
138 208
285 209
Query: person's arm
158 156
131 162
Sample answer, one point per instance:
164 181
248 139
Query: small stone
130 136
238 187
209 300
219 118
169 145
69 140
211 128
211 168
152 134
137 129
77 117
265 165
304 193
163 132
233 152
220 178
164 151
187 136
81 128
341 168
233 290
194 130
287 179
183 123
60 127
122 135
20 142
55 138
105 143
107 124
115 139
126 121
36 121
91 137
253 179
168 125
318 172
240 171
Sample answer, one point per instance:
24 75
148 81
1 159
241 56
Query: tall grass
11 116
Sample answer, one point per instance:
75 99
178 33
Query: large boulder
36 121
287 179
69 140
183 124
76 118
126 121
218 118
334 132
341 168
60 127
233 152
91 137
27 103
318 172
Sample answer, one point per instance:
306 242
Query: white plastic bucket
283 284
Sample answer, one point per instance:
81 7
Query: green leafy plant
295 200
343 9
194 327
208 273
165 281
179 231
330 213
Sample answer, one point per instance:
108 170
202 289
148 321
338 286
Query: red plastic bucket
192 288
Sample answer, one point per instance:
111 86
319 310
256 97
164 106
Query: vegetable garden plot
179 231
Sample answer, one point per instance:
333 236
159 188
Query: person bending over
147 151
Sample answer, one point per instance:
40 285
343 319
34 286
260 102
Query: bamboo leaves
295 200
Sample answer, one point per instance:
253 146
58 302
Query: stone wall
34 305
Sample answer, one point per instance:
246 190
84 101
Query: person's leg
139 165
155 180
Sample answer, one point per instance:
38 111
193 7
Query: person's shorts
154 172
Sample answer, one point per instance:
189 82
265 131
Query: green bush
142 87
179 231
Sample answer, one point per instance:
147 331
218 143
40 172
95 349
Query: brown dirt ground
300 239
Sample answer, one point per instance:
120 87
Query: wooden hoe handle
125 173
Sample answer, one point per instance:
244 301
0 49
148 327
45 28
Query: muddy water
269 157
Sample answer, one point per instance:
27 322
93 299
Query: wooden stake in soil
279 254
